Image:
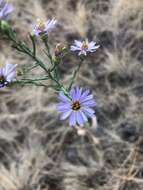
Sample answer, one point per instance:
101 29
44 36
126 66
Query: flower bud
19 72
59 50
4 26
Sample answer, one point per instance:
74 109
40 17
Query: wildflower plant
75 103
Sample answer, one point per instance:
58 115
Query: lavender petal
65 115
72 119
79 118
89 103
63 98
88 111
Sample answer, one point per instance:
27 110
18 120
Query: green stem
33 44
56 81
48 50
75 74
22 47
30 82
31 68
37 79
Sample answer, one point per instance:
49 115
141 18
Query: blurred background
37 151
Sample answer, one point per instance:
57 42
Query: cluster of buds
60 51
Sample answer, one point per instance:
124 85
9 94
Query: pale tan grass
31 156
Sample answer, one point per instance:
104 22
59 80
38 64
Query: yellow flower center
76 105
40 24
84 45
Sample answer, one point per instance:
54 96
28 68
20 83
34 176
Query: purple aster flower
42 27
5 8
84 47
7 74
78 108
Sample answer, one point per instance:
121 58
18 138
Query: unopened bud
4 26
19 72
59 50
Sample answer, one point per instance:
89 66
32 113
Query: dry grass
37 151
